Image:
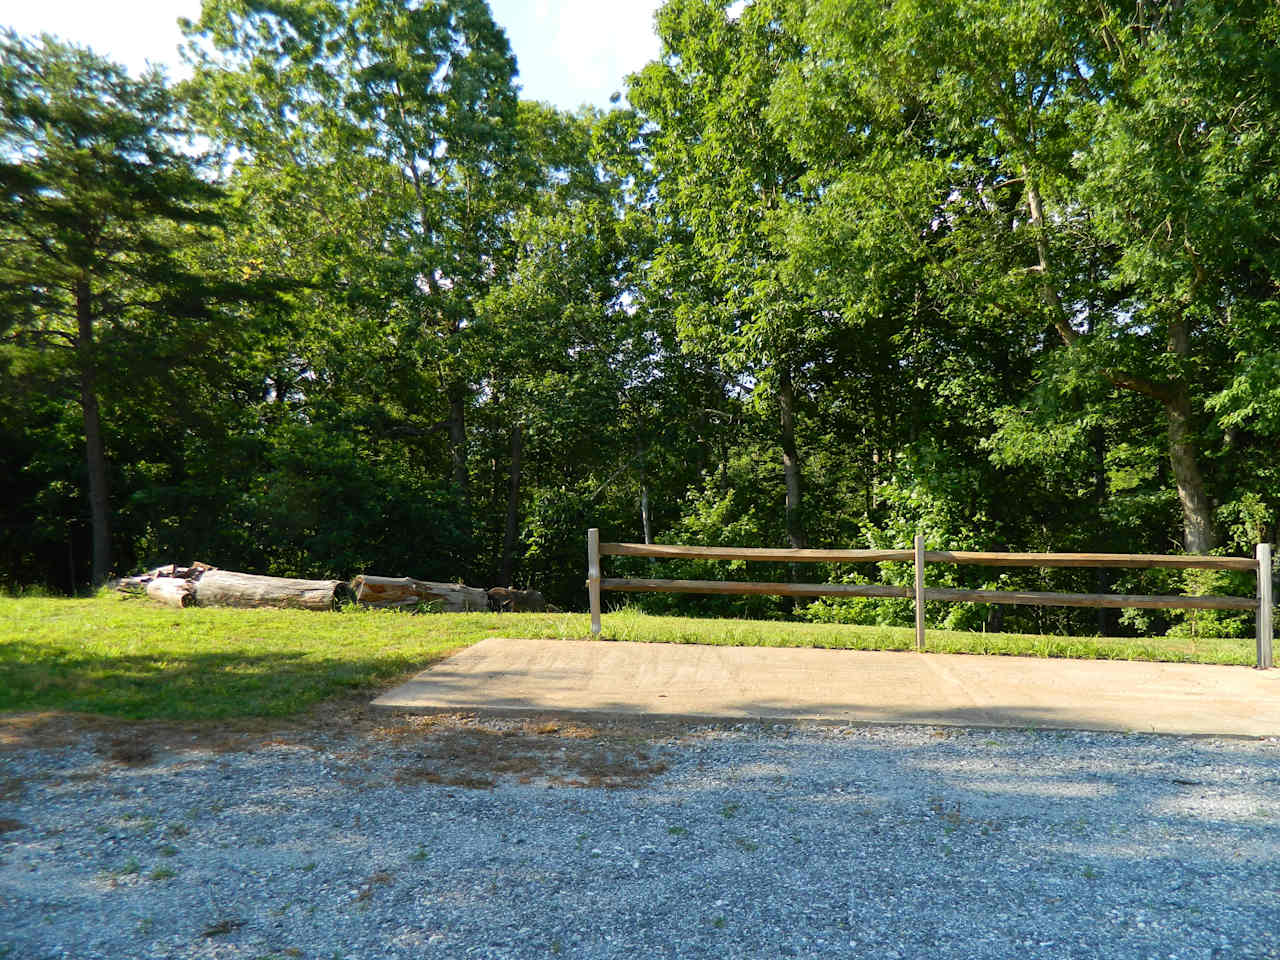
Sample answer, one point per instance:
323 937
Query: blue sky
570 52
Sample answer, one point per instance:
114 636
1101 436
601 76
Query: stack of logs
202 584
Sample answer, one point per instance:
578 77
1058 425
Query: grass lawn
132 659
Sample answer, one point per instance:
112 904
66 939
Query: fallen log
507 600
173 591
226 588
405 592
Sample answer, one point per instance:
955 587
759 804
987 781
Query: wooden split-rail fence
1260 564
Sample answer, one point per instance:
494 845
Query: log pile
207 586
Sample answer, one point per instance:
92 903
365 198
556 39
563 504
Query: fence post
593 578
1265 661
920 592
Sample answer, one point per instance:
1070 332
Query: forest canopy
1003 273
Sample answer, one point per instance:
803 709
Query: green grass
628 624
135 660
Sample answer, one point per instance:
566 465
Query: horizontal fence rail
1259 564
782 555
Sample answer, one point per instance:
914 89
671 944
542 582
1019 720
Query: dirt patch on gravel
131 742
462 750
45 730
478 757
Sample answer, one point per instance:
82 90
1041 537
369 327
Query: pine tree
99 207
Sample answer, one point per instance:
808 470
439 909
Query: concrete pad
709 682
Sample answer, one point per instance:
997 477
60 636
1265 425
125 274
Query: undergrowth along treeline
130 658
839 273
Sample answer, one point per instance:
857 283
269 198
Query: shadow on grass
192 686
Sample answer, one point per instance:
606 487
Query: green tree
548 332
1079 171
722 175
391 128
1181 181
99 208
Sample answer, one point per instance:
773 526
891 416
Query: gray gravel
731 841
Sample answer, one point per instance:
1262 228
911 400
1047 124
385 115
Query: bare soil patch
460 749
569 755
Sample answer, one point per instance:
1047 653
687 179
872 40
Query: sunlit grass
133 659
628 624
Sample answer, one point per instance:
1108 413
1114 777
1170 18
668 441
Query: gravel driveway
457 837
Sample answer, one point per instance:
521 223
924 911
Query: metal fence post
920 592
1265 661
593 578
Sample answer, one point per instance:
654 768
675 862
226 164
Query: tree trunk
457 422
458 437
994 622
1200 534
1102 577
646 521
1048 292
95 450
790 460
513 509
